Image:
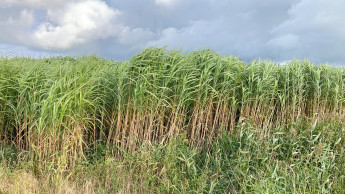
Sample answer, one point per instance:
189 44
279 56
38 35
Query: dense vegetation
167 121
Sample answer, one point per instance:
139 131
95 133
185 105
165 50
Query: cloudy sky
250 29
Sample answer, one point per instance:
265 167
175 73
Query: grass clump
265 122
303 158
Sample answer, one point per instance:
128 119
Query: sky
118 29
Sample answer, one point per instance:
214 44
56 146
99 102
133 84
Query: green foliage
8 154
238 121
303 158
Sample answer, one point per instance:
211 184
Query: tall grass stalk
57 107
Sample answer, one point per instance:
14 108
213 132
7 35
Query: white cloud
315 30
13 24
165 2
76 23
315 15
37 3
24 19
69 26
221 35
268 29
136 37
285 41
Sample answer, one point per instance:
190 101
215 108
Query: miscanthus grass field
171 122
